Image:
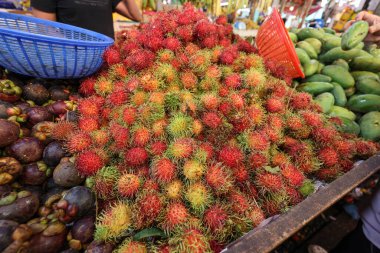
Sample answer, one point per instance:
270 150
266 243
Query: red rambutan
269 182
231 156
149 206
88 124
87 87
88 162
228 55
312 119
240 174
258 160
328 156
158 148
172 43
189 79
88 108
211 119
300 100
218 178
275 105
233 81
128 185
111 56
62 130
175 216
136 156
215 218
141 136
117 97
163 170
78 142
181 148
239 202
292 175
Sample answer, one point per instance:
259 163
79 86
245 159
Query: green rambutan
113 222
180 148
62 130
211 120
193 169
166 72
88 162
198 196
176 215
256 215
128 185
218 178
165 55
88 124
173 189
230 156
147 208
104 182
129 246
78 141
269 182
163 170
103 86
328 156
136 156
180 125
141 136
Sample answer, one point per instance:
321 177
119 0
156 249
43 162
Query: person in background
95 15
365 238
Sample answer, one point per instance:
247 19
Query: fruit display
188 141
343 75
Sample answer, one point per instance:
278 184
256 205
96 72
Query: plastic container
274 44
46 49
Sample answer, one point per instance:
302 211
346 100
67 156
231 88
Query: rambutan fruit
180 126
300 100
237 101
193 170
346 164
328 156
174 189
165 55
228 55
240 174
141 136
258 141
139 59
256 114
158 148
120 135
117 97
210 101
345 148
329 174
166 72
129 115
128 185
88 162
294 196
198 196
275 105
191 49
104 182
87 108
113 222
218 179
158 127
176 215
269 182
366 148
119 71
256 215
313 119
190 241
215 219
139 98
112 55
185 33
211 120
148 206
100 137
150 185
221 20
197 127
207 149
136 156
78 141
253 61
62 130
233 81
324 134
280 158
172 43
239 202
292 175
103 86
88 124
230 156
276 203
87 87
181 148
209 42
258 160
129 246
200 61
213 72
163 170
129 46
188 79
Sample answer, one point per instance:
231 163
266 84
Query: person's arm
129 9
45 9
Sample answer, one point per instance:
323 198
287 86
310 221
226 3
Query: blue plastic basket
46 49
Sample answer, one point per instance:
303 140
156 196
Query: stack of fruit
187 138
343 77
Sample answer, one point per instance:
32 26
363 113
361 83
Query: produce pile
343 75
185 137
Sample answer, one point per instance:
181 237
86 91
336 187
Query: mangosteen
99 247
35 173
66 175
59 92
5 190
26 150
83 229
9 132
51 240
42 131
77 202
3 109
10 169
38 114
19 207
6 229
53 153
36 92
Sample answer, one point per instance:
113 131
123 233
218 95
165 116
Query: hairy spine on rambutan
176 215
87 87
104 182
293 176
78 141
62 130
231 156
163 170
88 162
256 215
190 241
148 206
211 120
198 196
328 156
216 219
269 182
218 178
193 170
136 156
130 246
128 185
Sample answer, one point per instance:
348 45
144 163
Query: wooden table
267 238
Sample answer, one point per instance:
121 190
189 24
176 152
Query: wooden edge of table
273 234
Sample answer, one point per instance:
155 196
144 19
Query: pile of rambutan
185 130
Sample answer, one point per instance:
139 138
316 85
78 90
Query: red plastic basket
274 44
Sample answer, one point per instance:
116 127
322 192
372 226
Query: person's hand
374 26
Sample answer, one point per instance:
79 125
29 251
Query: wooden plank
272 235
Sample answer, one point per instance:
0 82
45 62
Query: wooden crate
267 238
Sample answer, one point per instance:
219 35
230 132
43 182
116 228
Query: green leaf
274 170
148 232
